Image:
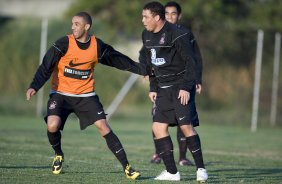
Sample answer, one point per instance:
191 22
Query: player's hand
153 96
29 93
199 88
184 97
146 77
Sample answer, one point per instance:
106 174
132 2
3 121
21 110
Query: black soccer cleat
57 164
156 159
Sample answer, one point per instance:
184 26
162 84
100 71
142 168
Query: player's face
79 28
149 21
171 14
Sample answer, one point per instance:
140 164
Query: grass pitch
232 154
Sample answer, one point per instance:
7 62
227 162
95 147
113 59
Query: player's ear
87 27
157 18
179 16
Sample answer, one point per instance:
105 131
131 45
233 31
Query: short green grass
232 153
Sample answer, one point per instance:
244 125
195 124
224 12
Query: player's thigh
183 113
57 113
163 111
89 110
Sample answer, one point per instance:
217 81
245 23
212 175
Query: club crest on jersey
53 105
162 40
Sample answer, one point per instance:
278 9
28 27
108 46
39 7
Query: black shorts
168 108
87 109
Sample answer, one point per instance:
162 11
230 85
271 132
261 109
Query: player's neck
84 39
160 25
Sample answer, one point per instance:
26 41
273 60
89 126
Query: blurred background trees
226 31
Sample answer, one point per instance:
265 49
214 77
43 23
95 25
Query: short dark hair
174 4
86 17
156 8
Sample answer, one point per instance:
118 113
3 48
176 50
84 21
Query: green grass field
232 154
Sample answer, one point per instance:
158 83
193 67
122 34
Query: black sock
55 141
182 143
194 145
115 146
154 138
165 151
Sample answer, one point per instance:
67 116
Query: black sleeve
198 59
142 55
143 58
52 56
183 46
107 55
153 82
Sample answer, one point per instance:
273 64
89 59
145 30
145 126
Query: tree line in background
226 31
225 28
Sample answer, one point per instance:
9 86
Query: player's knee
188 130
53 126
160 130
102 127
53 123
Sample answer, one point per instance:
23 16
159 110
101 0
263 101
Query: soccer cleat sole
57 172
202 181
199 182
134 176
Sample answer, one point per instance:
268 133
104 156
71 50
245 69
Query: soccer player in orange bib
71 62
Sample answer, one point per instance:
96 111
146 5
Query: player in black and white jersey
173 15
167 50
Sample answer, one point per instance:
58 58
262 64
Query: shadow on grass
214 163
25 167
145 178
250 174
252 171
110 172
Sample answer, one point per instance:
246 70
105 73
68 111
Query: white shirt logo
156 61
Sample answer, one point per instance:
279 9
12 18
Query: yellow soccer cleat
131 173
57 164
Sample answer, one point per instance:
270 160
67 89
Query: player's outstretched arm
107 55
29 93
